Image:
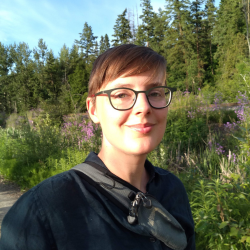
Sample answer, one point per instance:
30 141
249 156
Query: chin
140 149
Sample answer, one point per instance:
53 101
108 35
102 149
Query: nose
141 105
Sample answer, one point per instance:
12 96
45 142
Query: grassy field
206 146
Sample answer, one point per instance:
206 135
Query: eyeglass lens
124 98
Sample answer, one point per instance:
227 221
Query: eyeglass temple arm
173 89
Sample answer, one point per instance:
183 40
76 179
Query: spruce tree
52 76
176 43
230 39
40 55
104 44
87 42
122 33
22 83
160 26
209 23
140 38
5 68
148 21
197 41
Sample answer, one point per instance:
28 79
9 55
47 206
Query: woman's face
136 131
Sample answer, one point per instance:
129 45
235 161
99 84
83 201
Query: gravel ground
9 193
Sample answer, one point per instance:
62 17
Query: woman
66 211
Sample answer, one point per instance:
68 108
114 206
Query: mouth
142 128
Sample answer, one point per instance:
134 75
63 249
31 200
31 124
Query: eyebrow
129 85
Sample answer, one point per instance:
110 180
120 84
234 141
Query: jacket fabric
65 212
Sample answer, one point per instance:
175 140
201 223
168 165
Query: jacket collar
148 165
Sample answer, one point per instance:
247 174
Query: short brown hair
126 60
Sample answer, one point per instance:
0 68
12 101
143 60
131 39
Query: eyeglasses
124 98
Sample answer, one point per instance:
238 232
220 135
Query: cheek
110 118
162 116
162 119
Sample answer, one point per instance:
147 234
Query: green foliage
122 33
148 18
87 42
221 213
205 48
104 44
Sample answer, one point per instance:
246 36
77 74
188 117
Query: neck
128 167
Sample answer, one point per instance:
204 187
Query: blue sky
59 22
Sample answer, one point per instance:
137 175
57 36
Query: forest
44 129
205 48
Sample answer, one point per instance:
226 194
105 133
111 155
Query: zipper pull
133 210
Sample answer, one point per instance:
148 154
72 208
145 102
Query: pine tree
122 33
197 49
87 42
148 21
140 38
78 86
22 86
209 23
40 56
53 75
246 10
176 43
104 44
5 67
229 36
160 26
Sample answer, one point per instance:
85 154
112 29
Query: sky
59 22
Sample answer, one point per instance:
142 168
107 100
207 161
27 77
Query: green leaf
234 231
242 196
201 226
223 224
245 239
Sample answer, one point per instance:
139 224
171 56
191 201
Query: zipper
140 198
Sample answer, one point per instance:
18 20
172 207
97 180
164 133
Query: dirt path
9 193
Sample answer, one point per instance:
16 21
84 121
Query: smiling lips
142 128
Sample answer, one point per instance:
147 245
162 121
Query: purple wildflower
219 149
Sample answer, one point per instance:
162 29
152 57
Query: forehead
144 79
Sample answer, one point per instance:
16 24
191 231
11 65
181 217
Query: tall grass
206 146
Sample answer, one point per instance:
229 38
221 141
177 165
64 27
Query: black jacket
65 212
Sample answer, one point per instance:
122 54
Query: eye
155 93
124 94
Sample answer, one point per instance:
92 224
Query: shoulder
169 189
49 191
169 179
173 196
32 212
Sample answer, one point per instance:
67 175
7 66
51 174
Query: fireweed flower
78 133
219 149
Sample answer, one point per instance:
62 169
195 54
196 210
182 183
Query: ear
91 107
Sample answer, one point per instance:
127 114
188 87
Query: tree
40 56
209 23
22 86
160 26
87 42
78 86
122 33
5 67
53 75
246 9
197 38
148 21
140 38
104 44
230 39
176 43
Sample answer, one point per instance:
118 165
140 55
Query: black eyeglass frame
108 92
